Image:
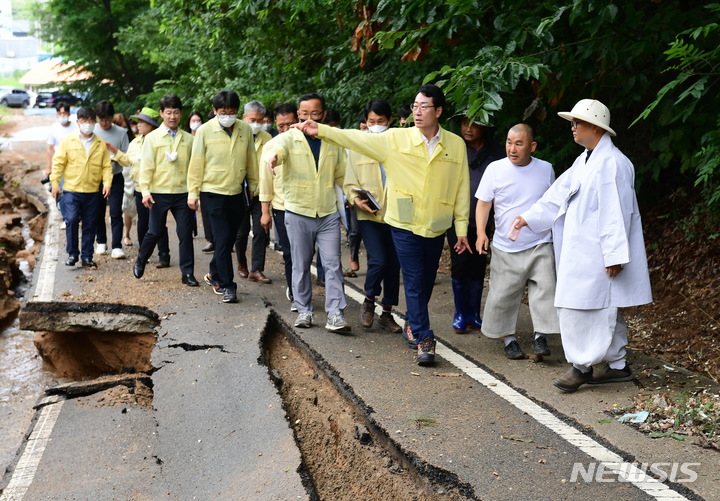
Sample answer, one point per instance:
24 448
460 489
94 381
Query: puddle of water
22 376
23 379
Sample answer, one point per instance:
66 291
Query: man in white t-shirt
513 185
61 128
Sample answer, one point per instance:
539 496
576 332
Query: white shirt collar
432 142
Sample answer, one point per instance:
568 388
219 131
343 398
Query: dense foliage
505 61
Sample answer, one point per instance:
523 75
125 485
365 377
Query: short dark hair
104 109
379 107
62 105
226 99
404 111
332 116
312 95
170 101
269 114
285 109
86 112
435 93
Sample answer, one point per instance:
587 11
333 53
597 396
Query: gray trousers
303 233
509 273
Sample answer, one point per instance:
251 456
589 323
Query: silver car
12 96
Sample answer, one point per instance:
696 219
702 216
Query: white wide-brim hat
590 111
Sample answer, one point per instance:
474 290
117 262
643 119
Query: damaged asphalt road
206 420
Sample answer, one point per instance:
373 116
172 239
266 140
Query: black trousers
225 213
143 222
114 201
259 241
279 217
466 266
183 215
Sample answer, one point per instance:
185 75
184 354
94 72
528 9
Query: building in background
19 50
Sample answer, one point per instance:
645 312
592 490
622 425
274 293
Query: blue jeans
383 267
80 207
419 259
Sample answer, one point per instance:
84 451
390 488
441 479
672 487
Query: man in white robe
599 250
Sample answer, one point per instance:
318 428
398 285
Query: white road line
610 460
46 275
24 472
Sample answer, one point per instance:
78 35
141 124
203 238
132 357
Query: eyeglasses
422 107
575 123
312 114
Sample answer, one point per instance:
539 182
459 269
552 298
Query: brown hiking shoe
387 322
607 375
367 313
573 379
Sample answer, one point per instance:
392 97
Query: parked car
49 99
12 96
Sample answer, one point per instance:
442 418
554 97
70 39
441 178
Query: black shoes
163 261
139 268
513 351
426 351
229 296
86 263
190 280
540 346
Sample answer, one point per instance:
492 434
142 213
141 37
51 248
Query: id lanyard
172 155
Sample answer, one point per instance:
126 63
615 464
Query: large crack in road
346 455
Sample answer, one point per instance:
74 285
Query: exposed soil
682 325
346 458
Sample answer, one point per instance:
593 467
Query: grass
425 422
11 81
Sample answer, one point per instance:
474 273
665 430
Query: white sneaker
117 254
63 225
101 249
304 320
337 323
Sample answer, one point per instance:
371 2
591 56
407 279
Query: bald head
524 128
520 144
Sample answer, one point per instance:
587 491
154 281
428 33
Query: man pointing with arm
427 185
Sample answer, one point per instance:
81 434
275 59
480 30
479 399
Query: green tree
85 33
694 60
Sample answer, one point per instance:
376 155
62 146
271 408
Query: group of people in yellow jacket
409 184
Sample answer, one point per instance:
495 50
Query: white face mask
377 129
255 127
266 127
62 119
195 125
227 120
87 129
